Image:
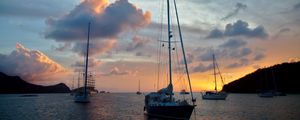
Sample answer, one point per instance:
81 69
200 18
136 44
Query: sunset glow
44 45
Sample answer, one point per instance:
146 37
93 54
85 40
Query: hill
281 77
14 84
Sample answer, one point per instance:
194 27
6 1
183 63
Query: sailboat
82 96
267 93
216 95
272 92
163 102
139 91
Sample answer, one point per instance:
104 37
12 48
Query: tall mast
274 81
219 72
214 65
169 47
139 85
78 80
86 61
183 52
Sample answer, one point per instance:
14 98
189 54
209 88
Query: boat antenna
86 61
183 52
214 65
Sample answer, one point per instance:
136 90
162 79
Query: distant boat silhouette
162 103
216 95
183 92
82 96
139 88
102 92
266 93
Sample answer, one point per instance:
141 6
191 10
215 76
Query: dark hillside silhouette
14 84
283 77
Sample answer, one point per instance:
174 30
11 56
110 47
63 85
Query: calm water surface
129 106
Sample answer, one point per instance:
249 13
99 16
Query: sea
129 106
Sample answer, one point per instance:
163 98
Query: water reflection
126 106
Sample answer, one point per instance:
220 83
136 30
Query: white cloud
31 65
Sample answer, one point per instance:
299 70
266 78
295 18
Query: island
283 77
16 85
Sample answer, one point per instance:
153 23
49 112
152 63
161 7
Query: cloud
256 66
92 63
206 54
240 63
31 65
108 20
189 58
215 33
291 60
233 44
137 42
202 68
116 72
281 32
240 53
62 47
297 6
239 28
284 30
142 54
238 7
234 52
95 47
259 56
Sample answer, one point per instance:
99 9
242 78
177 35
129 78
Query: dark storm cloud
238 7
108 20
239 28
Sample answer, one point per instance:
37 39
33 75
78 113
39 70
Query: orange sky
51 42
